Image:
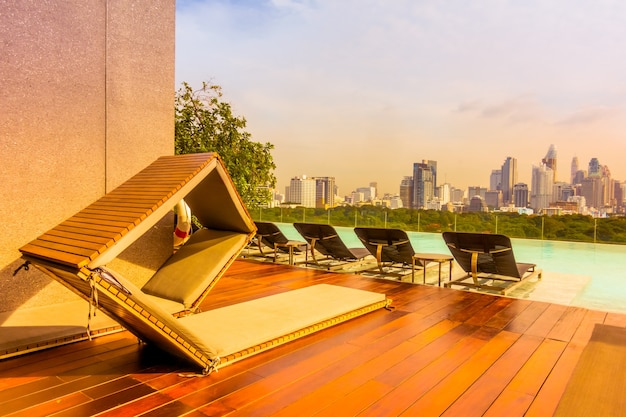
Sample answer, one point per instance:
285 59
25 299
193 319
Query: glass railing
569 228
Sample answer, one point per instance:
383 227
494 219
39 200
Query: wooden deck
440 352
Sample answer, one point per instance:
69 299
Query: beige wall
87 95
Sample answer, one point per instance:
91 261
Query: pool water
603 266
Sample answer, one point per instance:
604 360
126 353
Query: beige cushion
188 273
241 326
237 330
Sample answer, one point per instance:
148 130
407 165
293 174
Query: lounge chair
487 258
77 251
389 246
268 234
324 239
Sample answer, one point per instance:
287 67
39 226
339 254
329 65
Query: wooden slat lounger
77 251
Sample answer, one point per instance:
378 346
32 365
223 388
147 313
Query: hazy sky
361 89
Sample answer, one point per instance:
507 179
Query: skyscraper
374 185
520 192
574 170
509 179
424 183
301 190
550 161
324 192
541 187
406 192
495 180
594 167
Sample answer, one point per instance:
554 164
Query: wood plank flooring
439 352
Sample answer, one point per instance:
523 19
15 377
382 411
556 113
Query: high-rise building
579 177
598 188
493 198
324 192
594 167
592 189
541 187
574 170
406 192
495 180
445 191
424 183
374 185
369 193
550 161
457 195
521 194
301 190
619 196
476 190
509 179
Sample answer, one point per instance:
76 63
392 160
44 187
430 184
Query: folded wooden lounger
77 251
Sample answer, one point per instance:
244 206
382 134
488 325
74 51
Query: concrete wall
87 96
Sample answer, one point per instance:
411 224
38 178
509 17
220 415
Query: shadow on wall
33 288
21 289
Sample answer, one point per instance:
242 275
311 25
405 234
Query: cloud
520 109
589 115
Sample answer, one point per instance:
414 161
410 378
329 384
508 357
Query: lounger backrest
190 273
397 246
270 233
325 238
495 252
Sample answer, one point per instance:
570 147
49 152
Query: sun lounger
487 258
77 251
324 239
389 246
268 234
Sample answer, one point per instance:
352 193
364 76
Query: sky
362 89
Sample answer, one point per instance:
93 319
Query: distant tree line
577 228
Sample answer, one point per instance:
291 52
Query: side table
426 258
290 245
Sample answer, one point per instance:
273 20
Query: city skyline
362 90
563 175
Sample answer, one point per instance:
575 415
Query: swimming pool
595 272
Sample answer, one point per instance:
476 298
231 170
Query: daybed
76 253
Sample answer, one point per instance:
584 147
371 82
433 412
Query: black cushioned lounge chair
76 253
268 234
389 246
324 239
487 258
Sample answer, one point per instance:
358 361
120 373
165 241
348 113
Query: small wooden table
290 245
426 258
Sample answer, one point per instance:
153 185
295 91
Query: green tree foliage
205 123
